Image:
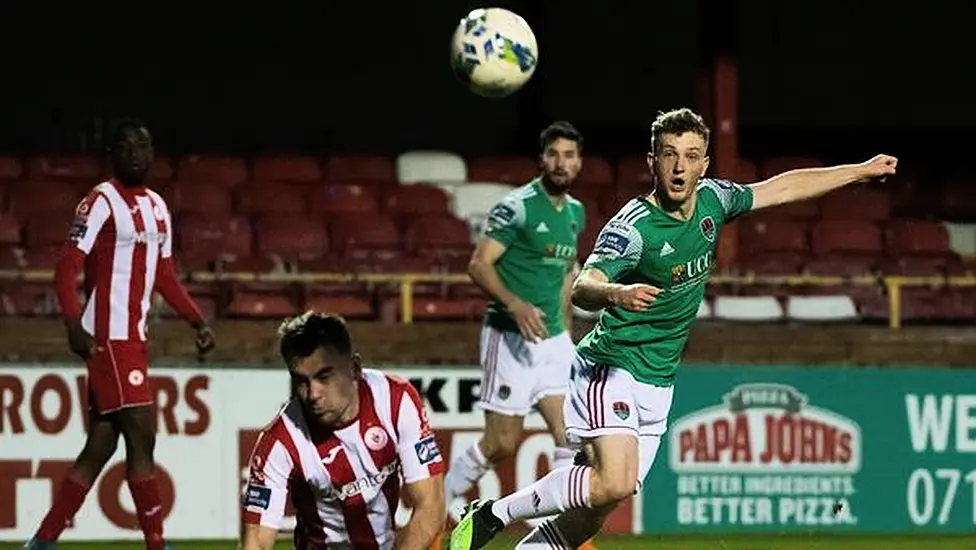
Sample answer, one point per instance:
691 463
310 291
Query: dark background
825 78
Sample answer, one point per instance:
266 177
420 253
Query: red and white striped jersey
124 234
344 483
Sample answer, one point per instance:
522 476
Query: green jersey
540 249
643 244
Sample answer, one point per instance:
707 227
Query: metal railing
894 284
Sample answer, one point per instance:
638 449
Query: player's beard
132 177
557 184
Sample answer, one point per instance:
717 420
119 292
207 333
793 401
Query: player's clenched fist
636 297
881 166
530 321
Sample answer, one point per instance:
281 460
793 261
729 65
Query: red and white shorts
118 376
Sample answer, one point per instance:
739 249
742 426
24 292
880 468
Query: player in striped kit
122 238
342 449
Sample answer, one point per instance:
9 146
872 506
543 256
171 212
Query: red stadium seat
11 257
845 248
439 236
214 170
186 197
262 198
360 168
290 168
291 238
855 204
44 257
64 167
209 237
11 168
416 200
910 237
805 210
51 230
503 169
596 171
267 305
770 246
364 235
633 169
777 165
28 300
343 199
11 228
39 198
162 169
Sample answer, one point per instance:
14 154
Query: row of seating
408 167
434 302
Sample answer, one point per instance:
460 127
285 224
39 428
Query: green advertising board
808 449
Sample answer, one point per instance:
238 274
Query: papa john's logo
765 428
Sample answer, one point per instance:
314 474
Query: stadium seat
273 305
291 238
362 236
11 168
777 165
50 230
806 210
64 168
769 246
186 197
11 258
920 249
28 300
11 228
162 170
212 238
633 169
472 202
37 198
350 306
747 308
597 200
435 167
359 169
845 248
416 200
343 199
261 198
214 170
504 169
288 168
855 204
42 257
439 237
596 171
587 238
821 308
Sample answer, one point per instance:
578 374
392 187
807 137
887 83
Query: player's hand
879 167
636 297
79 340
530 321
206 341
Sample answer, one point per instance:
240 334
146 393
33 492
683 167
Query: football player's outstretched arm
807 183
427 519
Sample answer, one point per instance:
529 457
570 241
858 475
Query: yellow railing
894 284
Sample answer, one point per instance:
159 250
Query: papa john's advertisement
817 449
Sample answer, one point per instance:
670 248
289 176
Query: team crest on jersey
375 438
621 409
707 227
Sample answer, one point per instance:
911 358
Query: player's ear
357 364
705 162
650 161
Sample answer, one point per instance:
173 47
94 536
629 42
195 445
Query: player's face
678 164
326 384
133 156
561 162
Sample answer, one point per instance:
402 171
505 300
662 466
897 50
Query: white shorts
516 374
606 400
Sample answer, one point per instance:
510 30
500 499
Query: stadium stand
381 237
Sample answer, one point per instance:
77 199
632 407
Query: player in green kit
648 273
525 262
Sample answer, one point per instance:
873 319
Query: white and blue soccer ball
494 52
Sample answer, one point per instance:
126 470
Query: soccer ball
494 52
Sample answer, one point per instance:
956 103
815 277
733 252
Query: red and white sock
560 490
544 537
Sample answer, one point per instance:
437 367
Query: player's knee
608 488
99 448
499 446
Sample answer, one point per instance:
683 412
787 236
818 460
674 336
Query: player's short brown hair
560 129
302 335
677 122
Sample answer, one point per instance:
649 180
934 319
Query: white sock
562 457
466 470
559 491
544 537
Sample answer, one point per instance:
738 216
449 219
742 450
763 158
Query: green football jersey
643 244
540 249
